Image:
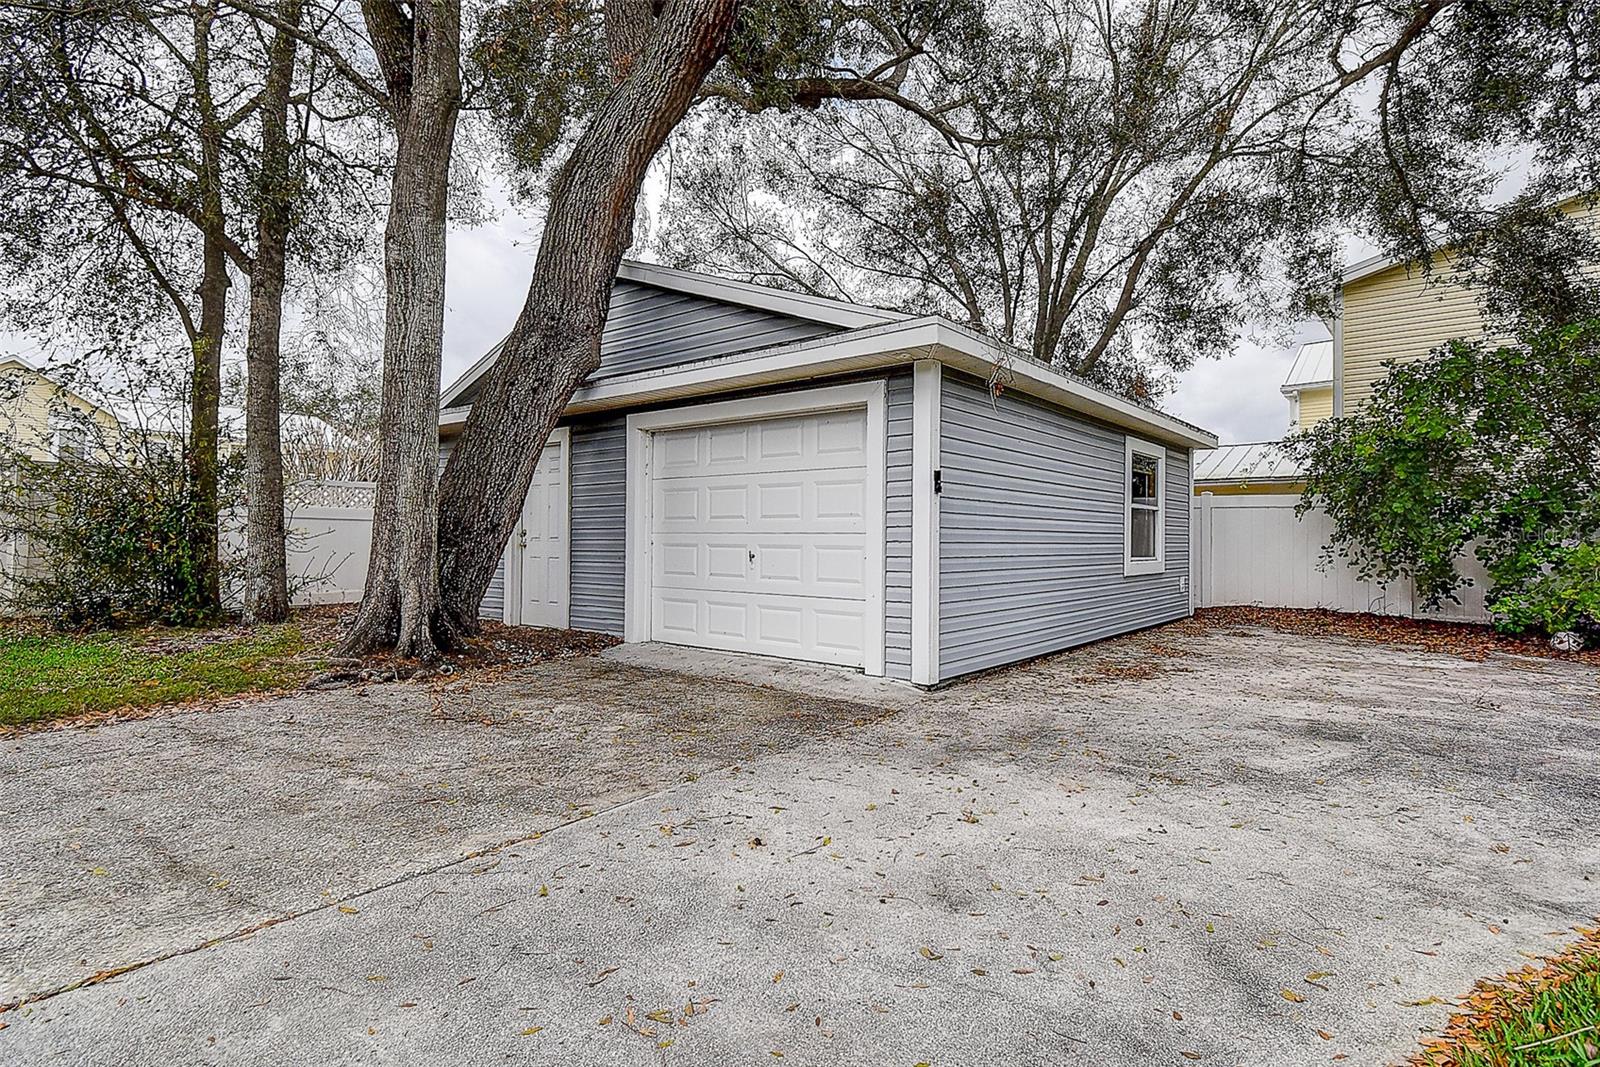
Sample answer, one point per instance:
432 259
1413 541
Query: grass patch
1541 1016
49 675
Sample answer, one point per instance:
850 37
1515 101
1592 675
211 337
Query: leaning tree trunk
555 342
400 607
266 587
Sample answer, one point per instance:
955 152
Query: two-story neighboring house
43 419
1390 311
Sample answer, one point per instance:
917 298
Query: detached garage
756 471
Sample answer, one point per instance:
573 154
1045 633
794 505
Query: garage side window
1144 508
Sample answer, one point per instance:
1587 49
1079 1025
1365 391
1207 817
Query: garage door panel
795 564
842 436
807 442
831 631
758 537
762 504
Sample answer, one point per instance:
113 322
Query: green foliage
52 675
1494 450
543 68
1564 596
107 540
1559 1028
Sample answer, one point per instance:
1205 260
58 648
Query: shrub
107 539
1564 596
1489 449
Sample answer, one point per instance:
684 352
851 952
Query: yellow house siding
1315 405
27 399
1401 314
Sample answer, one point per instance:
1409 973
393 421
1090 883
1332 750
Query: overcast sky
487 279
1237 398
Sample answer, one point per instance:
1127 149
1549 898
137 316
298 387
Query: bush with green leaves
1481 448
104 538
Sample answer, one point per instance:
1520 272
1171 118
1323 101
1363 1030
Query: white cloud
1237 397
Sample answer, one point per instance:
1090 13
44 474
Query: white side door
541 543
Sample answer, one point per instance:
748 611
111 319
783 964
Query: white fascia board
1366 268
764 297
470 375
1291 390
976 354
871 348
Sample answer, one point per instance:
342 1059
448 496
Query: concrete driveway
1206 845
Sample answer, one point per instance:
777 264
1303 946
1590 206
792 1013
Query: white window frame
1150 450
67 431
637 570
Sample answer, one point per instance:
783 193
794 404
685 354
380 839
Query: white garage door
759 534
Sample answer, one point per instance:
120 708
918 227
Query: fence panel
328 528
1252 549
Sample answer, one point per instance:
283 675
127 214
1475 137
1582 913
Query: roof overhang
1294 387
873 348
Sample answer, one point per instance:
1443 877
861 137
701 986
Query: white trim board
926 398
873 348
1150 450
762 297
872 396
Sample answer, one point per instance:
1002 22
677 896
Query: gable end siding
1031 532
649 328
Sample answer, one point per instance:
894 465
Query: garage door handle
752 555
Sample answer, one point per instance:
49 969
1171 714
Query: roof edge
871 348
763 297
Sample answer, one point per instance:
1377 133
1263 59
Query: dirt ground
1212 842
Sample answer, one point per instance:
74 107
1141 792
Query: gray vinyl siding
598 529
599 537
897 529
648 328
494 598
1031 532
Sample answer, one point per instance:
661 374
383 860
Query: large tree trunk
205 386
555 342
205 396
400 607
266 588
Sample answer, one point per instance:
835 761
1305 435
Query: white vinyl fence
1253 550
329 531
328 526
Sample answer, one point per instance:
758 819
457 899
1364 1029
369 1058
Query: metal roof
1313 365
1259 462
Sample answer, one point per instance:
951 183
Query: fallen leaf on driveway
928 953
1291 996
1324 1035
530 1031
1190 1055
1422 1003
348 910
